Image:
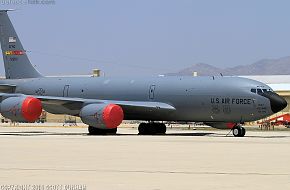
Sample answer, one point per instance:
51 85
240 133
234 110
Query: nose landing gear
239 131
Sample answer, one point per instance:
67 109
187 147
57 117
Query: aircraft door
254 103
152 91
66 91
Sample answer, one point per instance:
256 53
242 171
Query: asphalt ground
67 158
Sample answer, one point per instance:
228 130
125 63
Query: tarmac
66 158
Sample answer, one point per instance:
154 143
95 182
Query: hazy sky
149 37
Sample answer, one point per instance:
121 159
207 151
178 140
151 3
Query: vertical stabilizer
16 62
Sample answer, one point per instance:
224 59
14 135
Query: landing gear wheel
142 129
239 131
146 129
151 128
96 131
243 132
160 128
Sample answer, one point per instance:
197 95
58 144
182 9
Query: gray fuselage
204 99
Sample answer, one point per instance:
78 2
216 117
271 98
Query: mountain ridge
280 66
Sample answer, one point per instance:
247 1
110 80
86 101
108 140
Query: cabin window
254 90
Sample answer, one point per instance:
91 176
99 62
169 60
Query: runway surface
183 159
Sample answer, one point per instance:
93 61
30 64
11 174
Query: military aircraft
104 102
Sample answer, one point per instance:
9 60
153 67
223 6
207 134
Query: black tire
236 131
142 129
243 132
152 129
96 131
239 131
160 128
147 129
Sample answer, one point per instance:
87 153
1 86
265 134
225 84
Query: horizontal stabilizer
6 10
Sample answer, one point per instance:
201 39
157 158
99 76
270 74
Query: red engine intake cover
31 109
113 116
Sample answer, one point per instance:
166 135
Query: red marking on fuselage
231 125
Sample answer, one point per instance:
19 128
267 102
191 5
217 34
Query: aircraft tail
16 62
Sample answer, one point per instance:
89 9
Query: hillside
263 67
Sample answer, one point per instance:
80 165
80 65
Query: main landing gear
239 131
152 129
96 131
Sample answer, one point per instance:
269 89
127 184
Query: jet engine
21 109
102 116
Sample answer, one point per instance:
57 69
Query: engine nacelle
21 109
102 116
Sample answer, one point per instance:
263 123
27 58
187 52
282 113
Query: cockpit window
259 91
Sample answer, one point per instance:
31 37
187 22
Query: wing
74 105
78 103
133 110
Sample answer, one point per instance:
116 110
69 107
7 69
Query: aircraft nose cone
278 103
